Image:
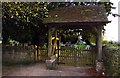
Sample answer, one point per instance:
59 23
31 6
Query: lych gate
91 17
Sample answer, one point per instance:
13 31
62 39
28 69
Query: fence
76 57
66 56
43 54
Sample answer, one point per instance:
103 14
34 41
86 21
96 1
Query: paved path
40 70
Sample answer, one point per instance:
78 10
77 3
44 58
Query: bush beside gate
111 61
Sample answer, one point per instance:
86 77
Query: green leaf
12 16
17 14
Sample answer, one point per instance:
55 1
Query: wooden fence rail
76 57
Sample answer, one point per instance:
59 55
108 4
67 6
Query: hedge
111 60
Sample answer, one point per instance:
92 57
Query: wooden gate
76 57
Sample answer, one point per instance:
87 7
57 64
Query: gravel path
40 70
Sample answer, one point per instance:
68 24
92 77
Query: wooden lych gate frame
92 17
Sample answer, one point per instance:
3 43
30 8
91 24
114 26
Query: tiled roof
91 13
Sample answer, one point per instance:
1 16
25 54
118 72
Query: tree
22 21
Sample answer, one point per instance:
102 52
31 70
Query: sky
111 33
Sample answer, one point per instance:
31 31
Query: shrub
111 60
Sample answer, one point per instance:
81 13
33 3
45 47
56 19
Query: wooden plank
63 56
80 56
69 57
75 57
66 58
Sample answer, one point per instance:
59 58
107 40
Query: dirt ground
40 70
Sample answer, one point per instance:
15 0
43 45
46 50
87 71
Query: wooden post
96 47
38 53
55 43
99 62
35 53
49 41
59 48
99 43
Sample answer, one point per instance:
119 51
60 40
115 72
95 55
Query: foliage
108 6
105 42
69 35
80 45
13 42
22 21
111 60
88 35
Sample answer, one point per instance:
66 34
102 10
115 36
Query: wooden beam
49 41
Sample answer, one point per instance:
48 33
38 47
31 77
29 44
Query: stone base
99 66
51 64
